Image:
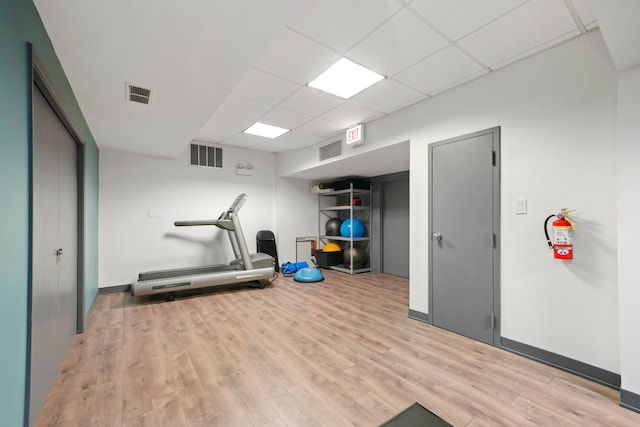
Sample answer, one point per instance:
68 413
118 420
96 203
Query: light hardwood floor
334 353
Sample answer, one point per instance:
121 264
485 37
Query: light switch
521 206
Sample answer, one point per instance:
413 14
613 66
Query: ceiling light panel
265 130
345 78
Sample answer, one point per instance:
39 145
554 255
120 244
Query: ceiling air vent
331 150
138 94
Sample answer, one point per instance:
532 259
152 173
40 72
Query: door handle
59 252
437 236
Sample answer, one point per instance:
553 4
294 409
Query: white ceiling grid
423 47
215 70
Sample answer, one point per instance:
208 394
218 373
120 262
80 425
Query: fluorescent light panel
345 78
268 131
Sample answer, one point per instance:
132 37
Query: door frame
402 178
376 252
39 77
495 131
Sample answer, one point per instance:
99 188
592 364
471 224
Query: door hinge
493 321
494 240
493 157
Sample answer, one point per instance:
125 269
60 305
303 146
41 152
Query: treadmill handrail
238 203
224 220
230 222
226 224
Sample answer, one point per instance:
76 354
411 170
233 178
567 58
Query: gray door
54 250
395 227
464 222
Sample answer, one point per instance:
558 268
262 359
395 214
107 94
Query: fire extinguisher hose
546 231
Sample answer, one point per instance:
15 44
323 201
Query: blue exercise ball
355 224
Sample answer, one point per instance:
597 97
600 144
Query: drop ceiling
214 68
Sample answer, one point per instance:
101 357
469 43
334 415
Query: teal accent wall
20 24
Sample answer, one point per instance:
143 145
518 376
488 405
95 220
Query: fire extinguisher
562 234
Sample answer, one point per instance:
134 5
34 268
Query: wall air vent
138 94
331 150
205 155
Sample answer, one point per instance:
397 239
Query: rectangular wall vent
331 150
205 155
138 94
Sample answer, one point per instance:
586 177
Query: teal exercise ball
349 224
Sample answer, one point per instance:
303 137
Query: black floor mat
416 415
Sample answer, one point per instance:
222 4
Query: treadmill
257 268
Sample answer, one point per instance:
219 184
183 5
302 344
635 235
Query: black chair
266 243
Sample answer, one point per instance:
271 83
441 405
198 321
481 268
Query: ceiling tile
298 139
289 141
272 148
320 127
387 96
523 32
439 70
399 43
245 140
238 106
264 87
285 118
407 40
340 24
586 15
283 58
458 82
349 114
311 101
192 53
458 18
222 126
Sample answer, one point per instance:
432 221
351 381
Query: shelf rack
332 204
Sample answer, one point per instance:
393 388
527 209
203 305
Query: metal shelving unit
332 205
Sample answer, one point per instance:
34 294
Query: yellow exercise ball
331 247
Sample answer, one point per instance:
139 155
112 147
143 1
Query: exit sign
355 136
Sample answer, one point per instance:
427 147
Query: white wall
557 112
629 226
297 216
132 185
557 117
